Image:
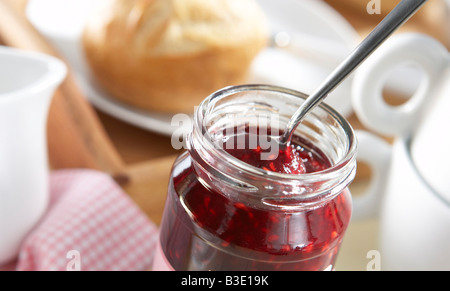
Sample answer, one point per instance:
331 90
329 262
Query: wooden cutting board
147 185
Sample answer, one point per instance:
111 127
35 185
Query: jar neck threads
263 106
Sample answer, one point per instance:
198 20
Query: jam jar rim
347 160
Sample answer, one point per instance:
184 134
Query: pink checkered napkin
91 225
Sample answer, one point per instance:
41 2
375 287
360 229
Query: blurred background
135 146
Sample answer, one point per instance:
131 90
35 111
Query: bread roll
168 55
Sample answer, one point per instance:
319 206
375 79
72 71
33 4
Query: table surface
137 147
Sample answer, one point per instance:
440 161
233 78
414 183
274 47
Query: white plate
62 22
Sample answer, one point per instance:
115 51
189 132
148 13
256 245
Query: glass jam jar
227 210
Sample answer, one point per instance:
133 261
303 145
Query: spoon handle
399 15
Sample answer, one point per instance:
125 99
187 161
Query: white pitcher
425 117
410 191
27 83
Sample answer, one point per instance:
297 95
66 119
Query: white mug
425 116
27 83
414 219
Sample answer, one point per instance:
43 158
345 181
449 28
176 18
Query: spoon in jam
399 15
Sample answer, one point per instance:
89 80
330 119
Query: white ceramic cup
425 116
27 83
414 219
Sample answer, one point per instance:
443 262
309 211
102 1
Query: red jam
206 230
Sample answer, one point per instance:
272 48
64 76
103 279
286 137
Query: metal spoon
399 15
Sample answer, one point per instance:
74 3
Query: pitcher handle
369 105
376 153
